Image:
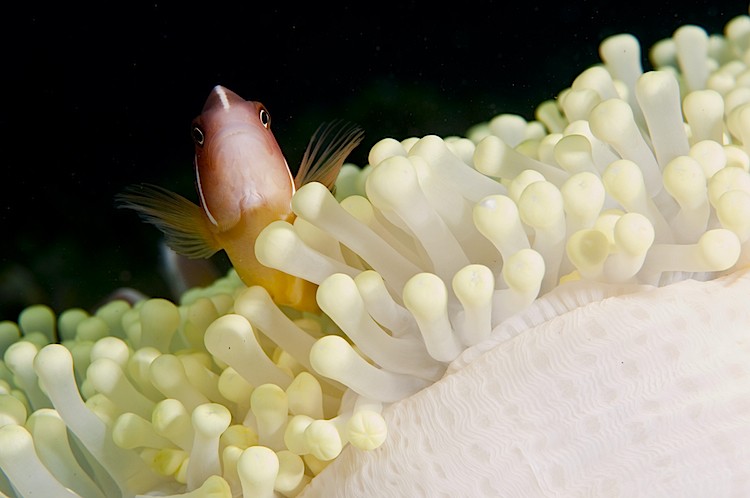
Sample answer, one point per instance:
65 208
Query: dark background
97 99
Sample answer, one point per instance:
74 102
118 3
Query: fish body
244 184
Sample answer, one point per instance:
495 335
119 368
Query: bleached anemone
553 307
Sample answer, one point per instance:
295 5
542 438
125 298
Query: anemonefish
244 184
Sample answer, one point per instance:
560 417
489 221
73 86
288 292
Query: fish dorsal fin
328 149
183 223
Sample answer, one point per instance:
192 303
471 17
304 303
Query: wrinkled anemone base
595 390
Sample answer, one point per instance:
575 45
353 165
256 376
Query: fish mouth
233 130
241 140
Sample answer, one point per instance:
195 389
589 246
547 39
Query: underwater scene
282 251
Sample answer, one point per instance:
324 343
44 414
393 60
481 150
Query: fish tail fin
328 149
183 223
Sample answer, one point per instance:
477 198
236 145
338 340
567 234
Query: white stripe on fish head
222 96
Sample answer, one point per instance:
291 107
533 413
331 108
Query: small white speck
489 203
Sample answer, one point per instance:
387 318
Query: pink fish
244 184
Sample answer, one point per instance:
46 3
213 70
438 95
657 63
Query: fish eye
198 136
265 118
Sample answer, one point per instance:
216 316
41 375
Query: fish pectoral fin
328 149
183 223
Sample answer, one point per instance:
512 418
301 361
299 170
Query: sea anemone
547 307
